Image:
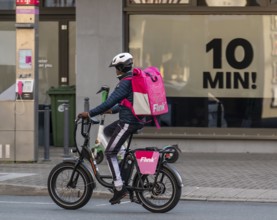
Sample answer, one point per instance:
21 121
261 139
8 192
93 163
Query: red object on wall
27 2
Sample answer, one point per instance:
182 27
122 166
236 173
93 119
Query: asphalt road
42 208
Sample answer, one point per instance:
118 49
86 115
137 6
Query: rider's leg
108 132
109 129
120 135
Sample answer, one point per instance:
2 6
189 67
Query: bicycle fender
175 173
175 146
84 167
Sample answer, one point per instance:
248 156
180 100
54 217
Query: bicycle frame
101 142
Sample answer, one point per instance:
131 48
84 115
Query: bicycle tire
159 193
65 196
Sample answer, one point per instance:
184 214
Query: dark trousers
118 132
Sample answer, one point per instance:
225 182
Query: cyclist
119 130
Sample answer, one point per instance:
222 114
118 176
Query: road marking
8 176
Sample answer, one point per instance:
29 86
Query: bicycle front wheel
160 196
67 193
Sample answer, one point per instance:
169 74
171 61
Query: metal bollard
86 104
86 109
66 130
46 131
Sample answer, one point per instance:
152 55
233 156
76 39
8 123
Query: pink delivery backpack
149 94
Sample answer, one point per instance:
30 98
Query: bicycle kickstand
132 197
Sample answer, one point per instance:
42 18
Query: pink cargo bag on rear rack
147 161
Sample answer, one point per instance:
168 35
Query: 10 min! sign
230 79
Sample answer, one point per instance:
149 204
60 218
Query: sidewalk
211 177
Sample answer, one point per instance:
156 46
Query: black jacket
123 90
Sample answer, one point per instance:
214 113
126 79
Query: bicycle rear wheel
161 196
68 195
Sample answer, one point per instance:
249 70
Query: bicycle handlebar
86 123
85 129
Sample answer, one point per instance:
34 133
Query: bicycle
101 142
150 180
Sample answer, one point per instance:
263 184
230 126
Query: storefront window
7 60
59 3
159 1
7 4
213 78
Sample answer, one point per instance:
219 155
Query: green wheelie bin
60 96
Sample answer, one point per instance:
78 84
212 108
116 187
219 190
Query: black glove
83 115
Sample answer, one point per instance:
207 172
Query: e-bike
149 179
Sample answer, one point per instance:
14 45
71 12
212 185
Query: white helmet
122 62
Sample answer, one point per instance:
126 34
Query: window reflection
7 4
159 1
229 3
59 3
213 78
7 60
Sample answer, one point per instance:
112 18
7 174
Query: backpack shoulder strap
156 122
127 78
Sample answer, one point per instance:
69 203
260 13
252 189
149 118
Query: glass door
57 54
48 74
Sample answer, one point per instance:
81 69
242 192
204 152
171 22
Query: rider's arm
121 91
115 109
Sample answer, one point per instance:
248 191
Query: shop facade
57 46
218 60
